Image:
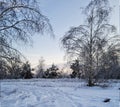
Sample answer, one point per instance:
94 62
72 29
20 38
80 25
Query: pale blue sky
62 14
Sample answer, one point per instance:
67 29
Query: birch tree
87 42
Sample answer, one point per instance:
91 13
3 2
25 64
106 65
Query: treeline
50 72
109 68
20 70
15 70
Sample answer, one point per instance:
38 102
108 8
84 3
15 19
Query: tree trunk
90 82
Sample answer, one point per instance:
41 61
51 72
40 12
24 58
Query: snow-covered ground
56 93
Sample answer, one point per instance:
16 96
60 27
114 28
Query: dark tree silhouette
109 67
76 67
51 72
26 71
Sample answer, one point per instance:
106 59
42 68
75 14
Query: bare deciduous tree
40 68
19 19
87 42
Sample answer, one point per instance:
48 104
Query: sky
62 14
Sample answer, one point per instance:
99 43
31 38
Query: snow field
56 93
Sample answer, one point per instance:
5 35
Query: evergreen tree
76 69
26 71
